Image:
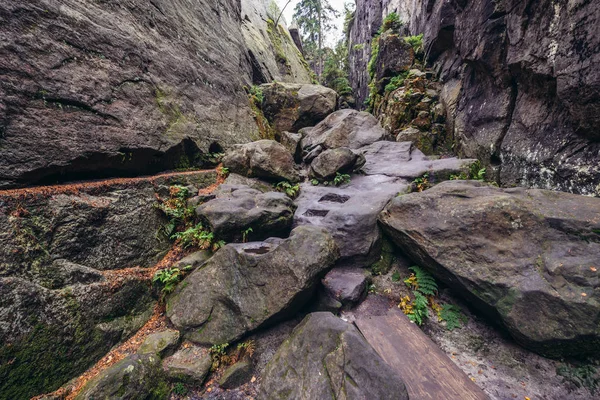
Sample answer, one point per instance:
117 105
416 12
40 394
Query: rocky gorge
184 214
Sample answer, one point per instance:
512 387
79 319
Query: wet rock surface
347 285
246 286
336 359
291 107
238 209
264 159
528 258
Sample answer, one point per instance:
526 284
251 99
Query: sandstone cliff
91 89
519 82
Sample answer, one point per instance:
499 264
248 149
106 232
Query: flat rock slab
349 212
426 370
189 364
403 160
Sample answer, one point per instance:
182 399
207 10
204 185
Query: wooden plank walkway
426 370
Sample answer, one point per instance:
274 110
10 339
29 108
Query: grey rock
135 377
408 135
335 359
58 311
237 208
264 159
190 364
312 154
160 343
247 286
235 179
291 141
326 302
401 159
236 375
394 57
347 285
350 213
339 160
524 257
291 107
439 113
194 260
345 128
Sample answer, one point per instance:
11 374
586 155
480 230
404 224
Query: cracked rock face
525 257
327 358
520 82
247 286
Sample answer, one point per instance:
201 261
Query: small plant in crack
291 190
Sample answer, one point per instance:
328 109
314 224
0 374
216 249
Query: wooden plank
426 370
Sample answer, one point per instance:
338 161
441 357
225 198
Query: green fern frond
453 316
425 283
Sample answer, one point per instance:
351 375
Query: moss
277 35
265 130
386 259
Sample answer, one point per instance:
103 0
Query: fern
424 283
453 316
419 310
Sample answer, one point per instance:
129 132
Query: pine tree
314 19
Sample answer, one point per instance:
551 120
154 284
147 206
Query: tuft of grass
291 190
416 42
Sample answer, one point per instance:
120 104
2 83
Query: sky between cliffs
332 37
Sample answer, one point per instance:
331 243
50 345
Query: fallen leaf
593 269
584 294
253 379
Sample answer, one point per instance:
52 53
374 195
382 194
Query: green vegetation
358 47
199 237
476 172
586 375
395 83
256 94
416 42
391 22
176 209
275 34
180 389
383 265
218 354
168 278
421 184
341 179
291 190
245 234
255 99
424 288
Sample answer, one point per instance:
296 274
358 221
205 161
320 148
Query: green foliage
176 210
395 83
476 172
195 236
416 42
314 182
419 310
291 190
180 389
358 47
212 158
421 184
582 376
168 278
396 276
452 315
422 282
372 65
340 179
256 94
245 234
391 22
218 354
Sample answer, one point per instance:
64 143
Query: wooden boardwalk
426 370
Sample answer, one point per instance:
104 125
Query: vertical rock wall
91 89
520 82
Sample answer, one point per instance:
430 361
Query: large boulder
340 160
238 208
138 376
526 258
189 364
264 159
327 358
292 106
64 300
350 214
246 286
395 56
344 128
